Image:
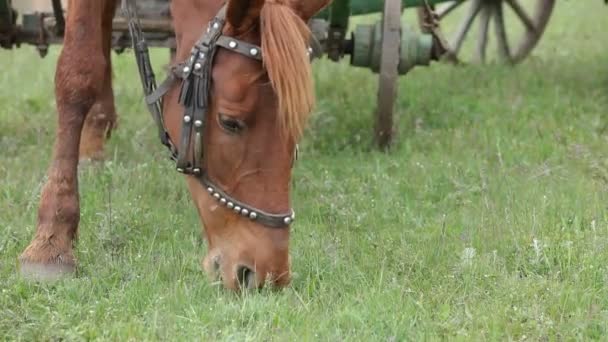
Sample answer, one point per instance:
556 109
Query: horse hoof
46 272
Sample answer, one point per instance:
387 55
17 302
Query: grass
487 221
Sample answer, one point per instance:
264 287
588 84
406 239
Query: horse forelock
285 38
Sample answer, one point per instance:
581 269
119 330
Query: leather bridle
195 76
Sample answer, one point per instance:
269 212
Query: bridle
195 76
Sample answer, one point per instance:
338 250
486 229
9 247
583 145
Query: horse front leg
102 118
98 126
78 84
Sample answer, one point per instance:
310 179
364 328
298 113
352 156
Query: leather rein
195 76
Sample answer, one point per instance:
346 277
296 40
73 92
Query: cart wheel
389 63
531 18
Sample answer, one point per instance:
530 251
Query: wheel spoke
523 16
447 8
512 46
482 42
465 26
501 34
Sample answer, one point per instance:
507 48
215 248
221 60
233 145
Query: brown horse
256 114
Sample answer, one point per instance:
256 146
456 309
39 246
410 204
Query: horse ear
308 8
241 13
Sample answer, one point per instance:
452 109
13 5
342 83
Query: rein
195 76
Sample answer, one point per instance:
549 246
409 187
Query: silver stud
253 215
244 212
201 55
210 190
198 123
216 26
223 201
232 44
187 118
287 220
186 69
217 196
230 205
237 209
253 51
197 66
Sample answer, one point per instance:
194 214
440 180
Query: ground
487 221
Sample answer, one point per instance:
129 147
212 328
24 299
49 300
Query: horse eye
231 125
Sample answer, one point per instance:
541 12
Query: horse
231 113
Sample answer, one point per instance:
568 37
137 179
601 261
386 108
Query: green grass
487 221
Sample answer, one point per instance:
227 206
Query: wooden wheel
389 63
526 21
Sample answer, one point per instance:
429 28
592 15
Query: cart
388 47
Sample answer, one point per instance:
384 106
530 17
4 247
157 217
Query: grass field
487 221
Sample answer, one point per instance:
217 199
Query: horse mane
285 40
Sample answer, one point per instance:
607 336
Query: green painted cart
391 49
387 47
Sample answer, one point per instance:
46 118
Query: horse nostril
246 277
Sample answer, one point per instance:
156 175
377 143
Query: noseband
195 76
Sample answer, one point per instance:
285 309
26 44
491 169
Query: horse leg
80 68
98 126
101 119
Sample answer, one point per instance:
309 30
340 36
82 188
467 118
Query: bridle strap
142 58
239 46
267 219
195 75
158 93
